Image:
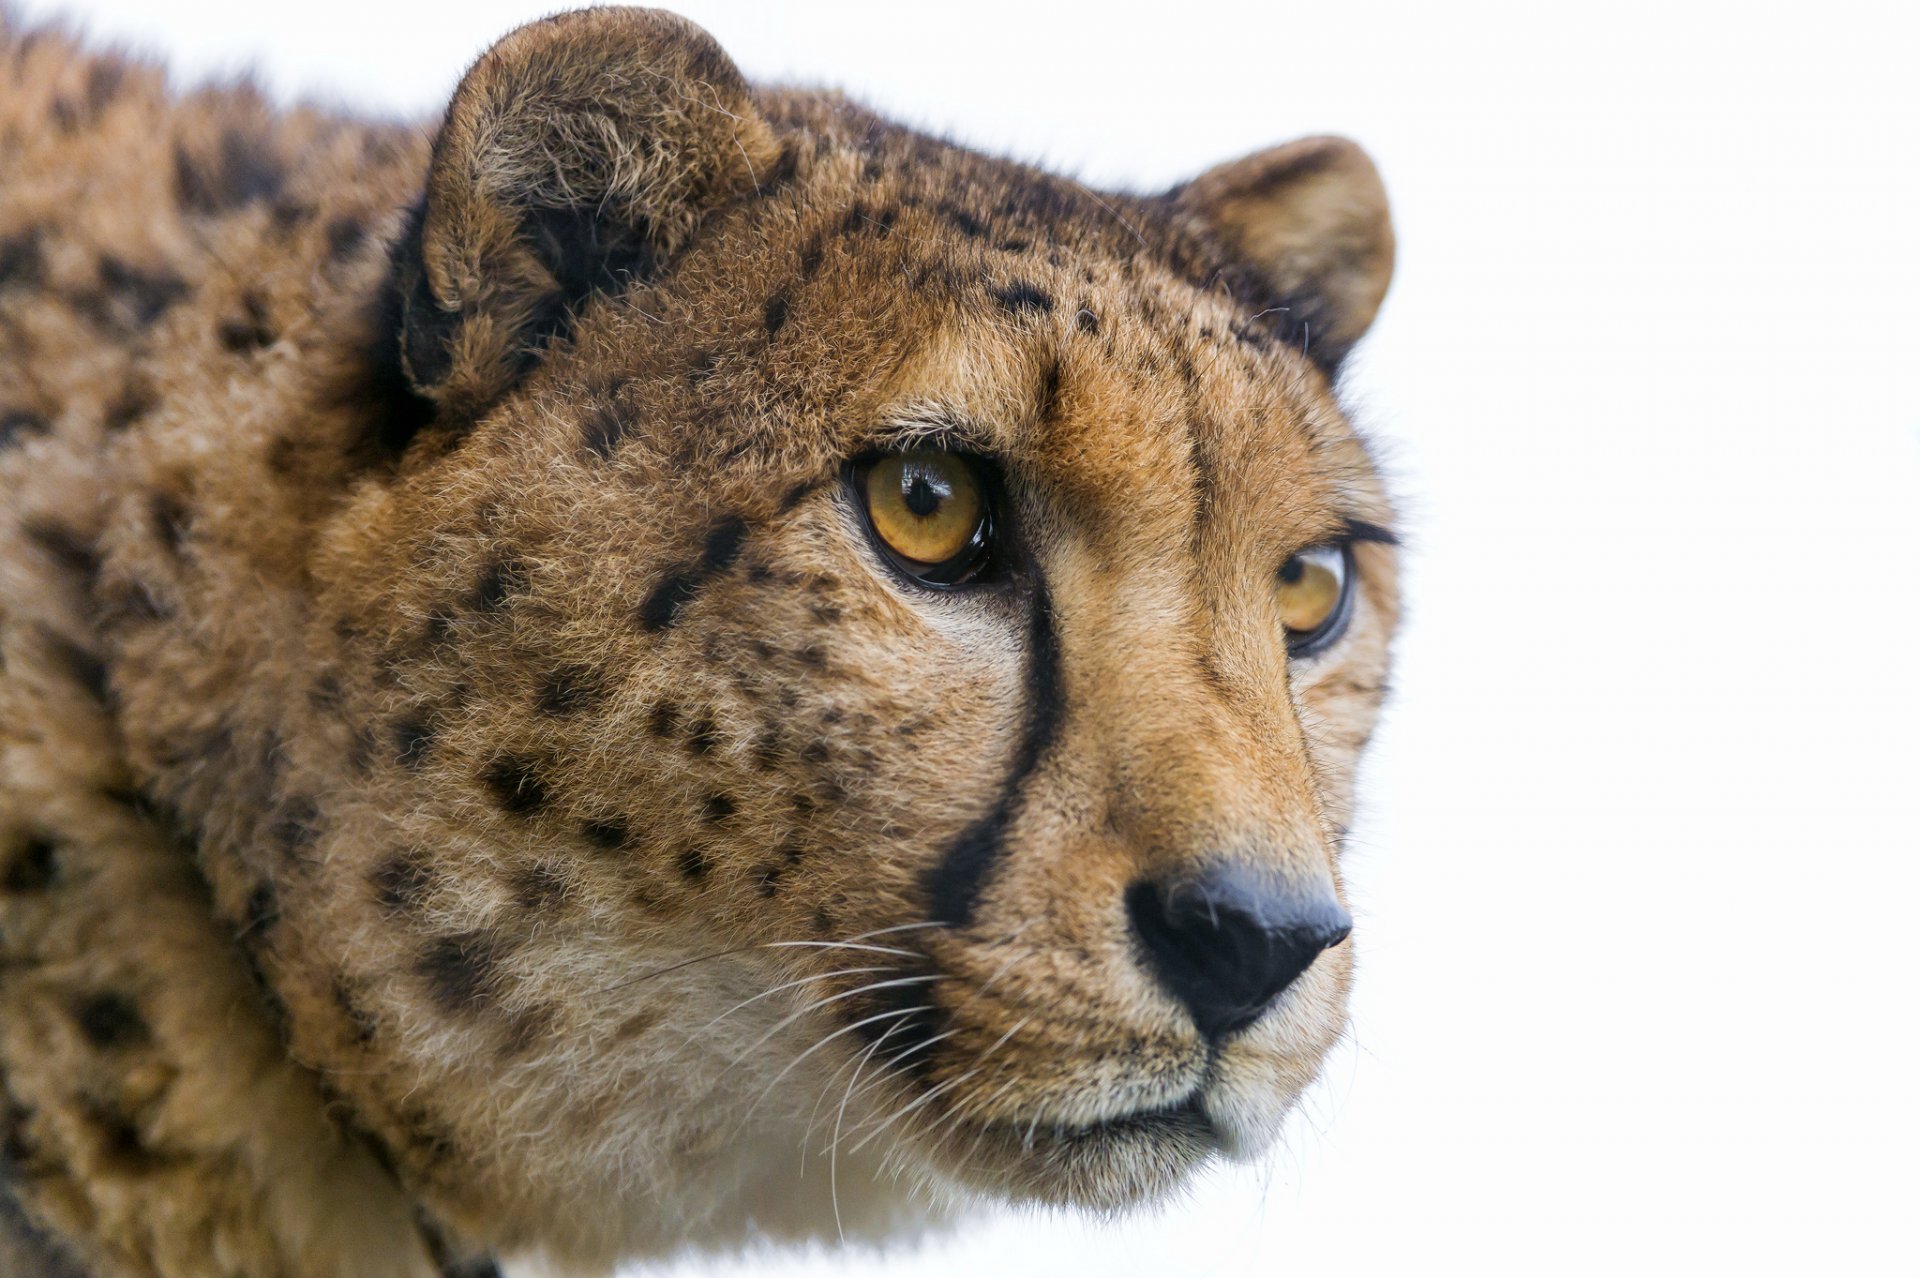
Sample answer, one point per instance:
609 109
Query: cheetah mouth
1110 1163
1183 1119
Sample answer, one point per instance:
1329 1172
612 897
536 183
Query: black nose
1229 941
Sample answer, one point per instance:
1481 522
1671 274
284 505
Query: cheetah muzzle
663 663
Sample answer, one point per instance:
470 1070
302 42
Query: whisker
795 1062
929 1096
817 1004
787 985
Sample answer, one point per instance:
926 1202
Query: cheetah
660 664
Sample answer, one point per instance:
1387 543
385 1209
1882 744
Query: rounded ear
1311 219
579 153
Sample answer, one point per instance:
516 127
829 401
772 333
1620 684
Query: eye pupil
921 496
1292 571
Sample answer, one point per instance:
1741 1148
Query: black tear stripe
954 884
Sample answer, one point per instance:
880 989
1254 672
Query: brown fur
463 764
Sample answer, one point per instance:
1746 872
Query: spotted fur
469 785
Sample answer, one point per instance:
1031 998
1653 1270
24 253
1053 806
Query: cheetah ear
1311 218
580 152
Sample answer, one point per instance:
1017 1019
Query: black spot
663 604
65 546
109 1021
17 424
345 234
402 881
768 750
241 170
1049 399
810 259
22 261
170 518
131 298
701 367
782 171
966 223
249 331
500 580
412 739
298 826
719 807
260 912
515 785
793 497
693 864
1023 296
703 737
607 834
953 886
567 690
32 869
539 886
776 313
605 426
83 666
813 656
1087 321
135 400
663 720
363 1026
462 971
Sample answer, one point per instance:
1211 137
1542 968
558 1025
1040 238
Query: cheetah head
849 682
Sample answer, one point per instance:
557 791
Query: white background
1639 879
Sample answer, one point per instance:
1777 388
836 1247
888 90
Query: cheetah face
863 649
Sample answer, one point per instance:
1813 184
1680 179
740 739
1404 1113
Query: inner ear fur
580 151
1311 219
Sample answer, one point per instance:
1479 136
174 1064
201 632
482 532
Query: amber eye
1315 593
929 511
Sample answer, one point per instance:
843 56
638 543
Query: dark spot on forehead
17 424
776 313
298 825
260 913
82 665
607 833
703 737
1022 295
110 1020
63 545
1087 321
693 863
462 971
539 886
566 690
515 784
362 1025
170 520
412 739
663 719
345 233
250 330
603 429
718 807
499 580
402 881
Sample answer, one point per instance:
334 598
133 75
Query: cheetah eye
1315 589
929 511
